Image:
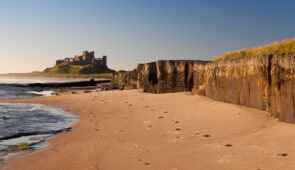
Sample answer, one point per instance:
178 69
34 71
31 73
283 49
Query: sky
35 33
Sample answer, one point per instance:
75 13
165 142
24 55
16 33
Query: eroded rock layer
264 82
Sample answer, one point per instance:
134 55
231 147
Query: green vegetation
77 69
69 71
285 46
123 86
14 148
121 71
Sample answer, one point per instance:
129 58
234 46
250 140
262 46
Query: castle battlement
84 59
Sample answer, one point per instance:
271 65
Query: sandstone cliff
264 82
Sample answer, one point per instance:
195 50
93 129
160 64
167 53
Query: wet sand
131 130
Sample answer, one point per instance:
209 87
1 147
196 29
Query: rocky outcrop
282 89
166 76
264 82
243 81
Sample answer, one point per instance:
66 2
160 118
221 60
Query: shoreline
135 130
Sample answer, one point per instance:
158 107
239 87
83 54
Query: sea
29 123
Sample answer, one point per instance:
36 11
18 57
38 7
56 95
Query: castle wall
85 59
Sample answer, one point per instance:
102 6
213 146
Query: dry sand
131 130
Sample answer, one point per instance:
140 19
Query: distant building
85 59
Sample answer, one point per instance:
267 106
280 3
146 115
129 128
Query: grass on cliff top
285 46
77 69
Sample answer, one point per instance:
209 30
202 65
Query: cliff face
264 82
166 76
243 81
282 89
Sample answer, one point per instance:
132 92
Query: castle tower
88 57
104 60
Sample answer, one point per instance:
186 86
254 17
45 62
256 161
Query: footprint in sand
165 112
146 163
130 105
106 102
121 140
160 117
146 106
152 110
206 135
282 154
97 129
228 145
149 127
177 122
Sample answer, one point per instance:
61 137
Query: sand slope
131 130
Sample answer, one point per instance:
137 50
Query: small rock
146 163
5 118
87 91
160 117
206 135
177 129
177 122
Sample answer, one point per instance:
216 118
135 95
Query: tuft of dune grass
285 46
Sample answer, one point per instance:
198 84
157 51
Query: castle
86 58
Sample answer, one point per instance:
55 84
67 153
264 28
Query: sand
131 130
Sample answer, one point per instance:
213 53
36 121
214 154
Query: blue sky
34 33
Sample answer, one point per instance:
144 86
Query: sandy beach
132 130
